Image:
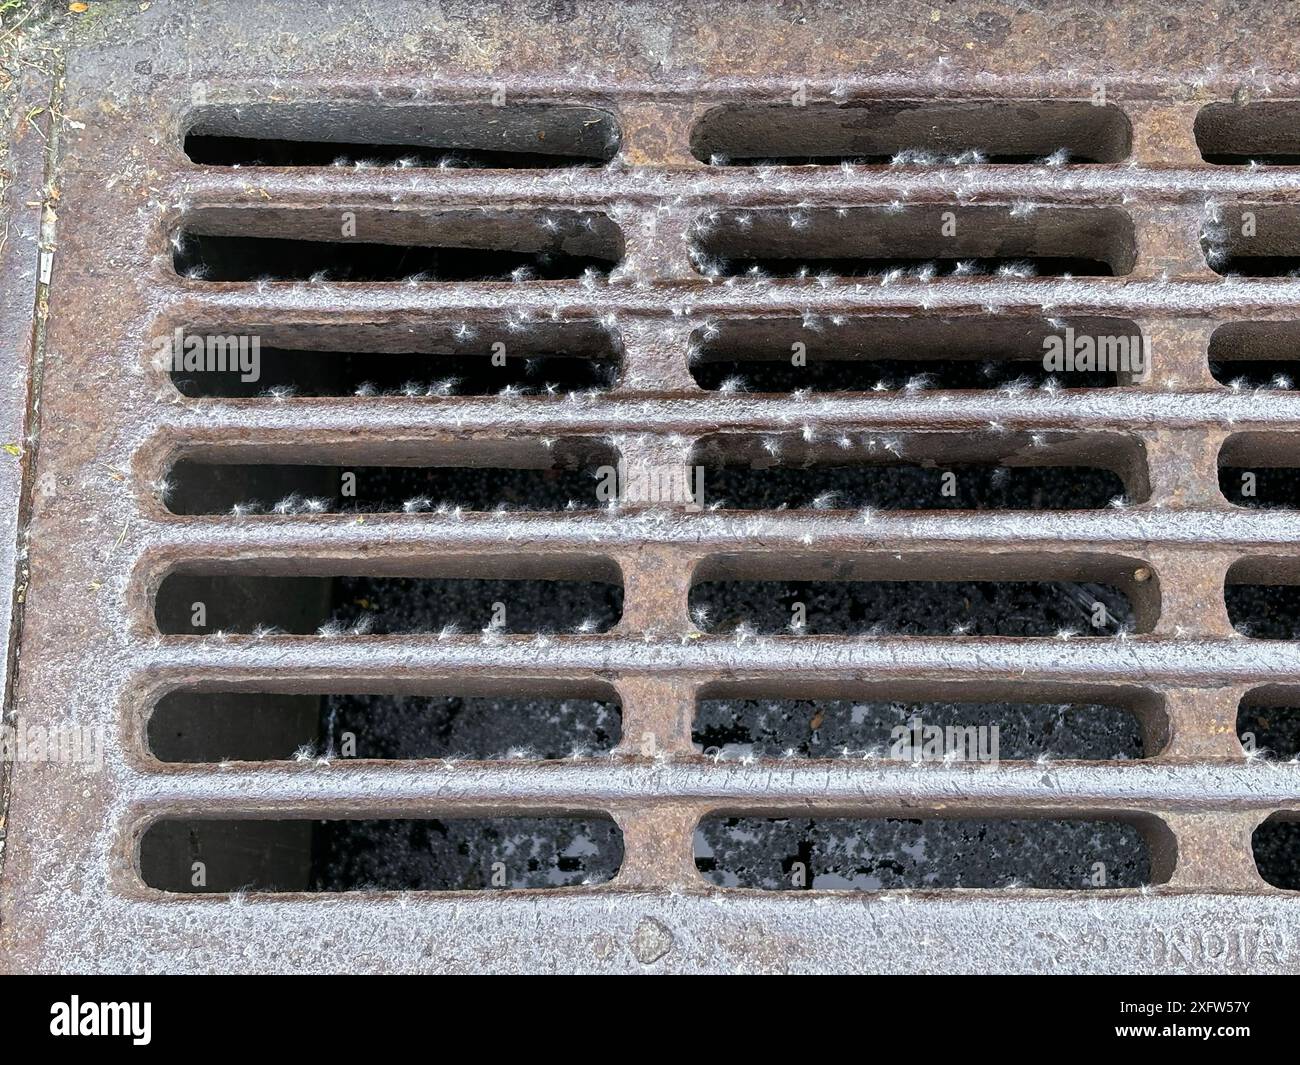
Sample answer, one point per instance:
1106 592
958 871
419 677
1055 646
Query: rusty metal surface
100 540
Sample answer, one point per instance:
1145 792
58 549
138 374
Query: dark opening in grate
1263 598
391 245
1266 131
431 359
1253 240
913 608
1256 354
511 136
214 726
1268 724
1264 611
563 476
829 854
1276 845
938 471
205 488
379 855
739 728
891 353
913 132
924 241
1260 486
265 604
954 487
1260 470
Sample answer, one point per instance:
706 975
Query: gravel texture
464 855
878 855
411 726
911 608
773 728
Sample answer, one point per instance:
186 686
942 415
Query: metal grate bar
1158 660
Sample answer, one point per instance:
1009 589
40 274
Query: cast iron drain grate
750 260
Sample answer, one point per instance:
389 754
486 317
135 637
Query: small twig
17 25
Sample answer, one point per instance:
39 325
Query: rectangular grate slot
567 481
1253 240
867 277
266 604
1276 847
954 487
413 246
1268 724
1256 354
480 854
911 730
1261 470
205 257
479 724
518 135
840 854
913 132
914 608
1266 131
205 488
1265 487
520 357
969 471
1263 598
893 353
922 242
1264 611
